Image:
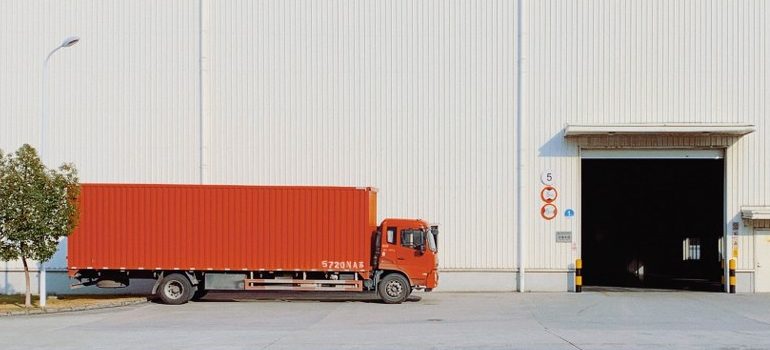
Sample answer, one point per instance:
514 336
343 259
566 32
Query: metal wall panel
644 61
415 98
122 103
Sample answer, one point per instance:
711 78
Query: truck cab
409 249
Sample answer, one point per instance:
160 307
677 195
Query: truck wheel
394 289
175 289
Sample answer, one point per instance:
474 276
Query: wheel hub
394 289
174 290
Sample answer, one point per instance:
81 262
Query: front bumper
432 280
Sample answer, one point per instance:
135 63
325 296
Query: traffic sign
549 194
549 211
546 177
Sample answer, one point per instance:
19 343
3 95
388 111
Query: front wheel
175 289
394 289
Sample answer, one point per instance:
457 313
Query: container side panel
373 209
221 227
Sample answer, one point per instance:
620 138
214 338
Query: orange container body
221 228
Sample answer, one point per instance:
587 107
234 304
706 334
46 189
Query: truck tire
175 289
394 289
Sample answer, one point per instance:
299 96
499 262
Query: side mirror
434 232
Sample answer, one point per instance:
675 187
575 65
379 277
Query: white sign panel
547 178
563 236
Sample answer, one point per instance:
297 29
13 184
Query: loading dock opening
653 223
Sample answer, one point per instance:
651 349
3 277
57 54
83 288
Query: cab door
413 255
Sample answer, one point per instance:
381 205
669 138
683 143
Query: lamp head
69 41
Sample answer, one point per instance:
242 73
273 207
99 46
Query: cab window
412 238
391 235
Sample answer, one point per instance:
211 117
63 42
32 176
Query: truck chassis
178 287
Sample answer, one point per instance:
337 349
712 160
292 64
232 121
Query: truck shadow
331 297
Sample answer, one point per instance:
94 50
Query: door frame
728 176
755 242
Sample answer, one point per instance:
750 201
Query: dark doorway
652 223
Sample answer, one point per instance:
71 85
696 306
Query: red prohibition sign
549 211
549 194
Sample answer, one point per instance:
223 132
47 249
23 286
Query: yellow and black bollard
578 275
732 276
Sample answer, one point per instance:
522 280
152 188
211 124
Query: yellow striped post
732 276
578 275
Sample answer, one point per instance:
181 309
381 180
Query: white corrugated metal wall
122 103
645 61
416 98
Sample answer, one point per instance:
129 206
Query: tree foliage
37 205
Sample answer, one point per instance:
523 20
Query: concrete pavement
592 320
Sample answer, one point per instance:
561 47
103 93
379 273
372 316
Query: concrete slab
591 320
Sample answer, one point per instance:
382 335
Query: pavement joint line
46 311
484 321
546 329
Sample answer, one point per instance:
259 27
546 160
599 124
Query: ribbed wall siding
122 103
415 98
650 61
646 61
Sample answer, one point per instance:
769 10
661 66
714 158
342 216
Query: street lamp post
69 41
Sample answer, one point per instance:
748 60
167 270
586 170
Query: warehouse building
631 135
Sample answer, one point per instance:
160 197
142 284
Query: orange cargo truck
192 239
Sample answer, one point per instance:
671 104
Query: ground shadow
326 297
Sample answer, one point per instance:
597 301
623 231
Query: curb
38 311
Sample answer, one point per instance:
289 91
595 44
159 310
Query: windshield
431 242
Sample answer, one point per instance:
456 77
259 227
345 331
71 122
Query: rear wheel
394 289
175 289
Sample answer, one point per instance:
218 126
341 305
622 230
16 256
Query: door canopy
652 135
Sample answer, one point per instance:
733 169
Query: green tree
38 206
